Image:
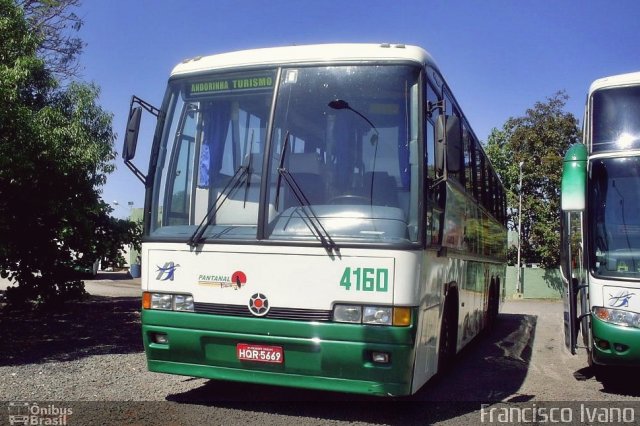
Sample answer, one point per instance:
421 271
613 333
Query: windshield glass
351 148
616 119
214 126
615 222
352 151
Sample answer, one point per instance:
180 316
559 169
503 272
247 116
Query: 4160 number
365 279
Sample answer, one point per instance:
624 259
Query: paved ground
93 352
110 284
115 284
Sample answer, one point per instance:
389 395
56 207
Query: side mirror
440 144
131 134
454 145
449 143
574 178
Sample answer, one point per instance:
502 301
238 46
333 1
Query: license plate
260 353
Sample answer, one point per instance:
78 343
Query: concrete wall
136 216
537 283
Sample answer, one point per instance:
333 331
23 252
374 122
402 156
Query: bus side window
432 100
181 178
434 193
431 174
454 131
467 140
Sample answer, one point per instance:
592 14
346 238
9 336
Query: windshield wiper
249 171
243 172
313 221
281 166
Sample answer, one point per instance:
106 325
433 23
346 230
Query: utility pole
519 288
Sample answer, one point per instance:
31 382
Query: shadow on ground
100 325
614 380
491 369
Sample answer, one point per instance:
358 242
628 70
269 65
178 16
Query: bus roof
615 80
318 53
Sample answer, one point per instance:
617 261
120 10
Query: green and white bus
316 216
601 226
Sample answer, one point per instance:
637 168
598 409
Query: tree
539 139
55 25
56 150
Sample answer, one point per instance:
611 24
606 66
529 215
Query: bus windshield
616 119
615 223
343 152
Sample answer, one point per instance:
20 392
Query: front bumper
616 335
317 355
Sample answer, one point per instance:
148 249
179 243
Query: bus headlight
347 313
372 315
161 301
168 302
379 315
183 302
617 316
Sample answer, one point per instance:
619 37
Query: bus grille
274 313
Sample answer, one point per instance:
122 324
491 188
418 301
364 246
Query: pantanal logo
236 280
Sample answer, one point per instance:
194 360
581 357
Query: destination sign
226 85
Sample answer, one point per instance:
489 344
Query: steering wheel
350 199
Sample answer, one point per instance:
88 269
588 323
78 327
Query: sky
498 56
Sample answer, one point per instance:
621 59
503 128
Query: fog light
619 347
380 357
602 344
160 338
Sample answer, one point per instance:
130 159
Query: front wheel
493 308
596 369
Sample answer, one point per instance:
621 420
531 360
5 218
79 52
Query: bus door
572 262
573 277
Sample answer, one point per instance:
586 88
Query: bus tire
493 307
596 369
448 335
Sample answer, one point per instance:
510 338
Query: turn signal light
146 300
401 316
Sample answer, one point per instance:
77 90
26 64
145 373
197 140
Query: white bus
601 226
316 216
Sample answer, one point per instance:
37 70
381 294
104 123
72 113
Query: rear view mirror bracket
131 134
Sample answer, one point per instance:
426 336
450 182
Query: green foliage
56 150
539 139
112 234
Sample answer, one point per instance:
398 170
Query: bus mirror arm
136 171
437 182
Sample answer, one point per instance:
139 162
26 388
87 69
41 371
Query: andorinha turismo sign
230 85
